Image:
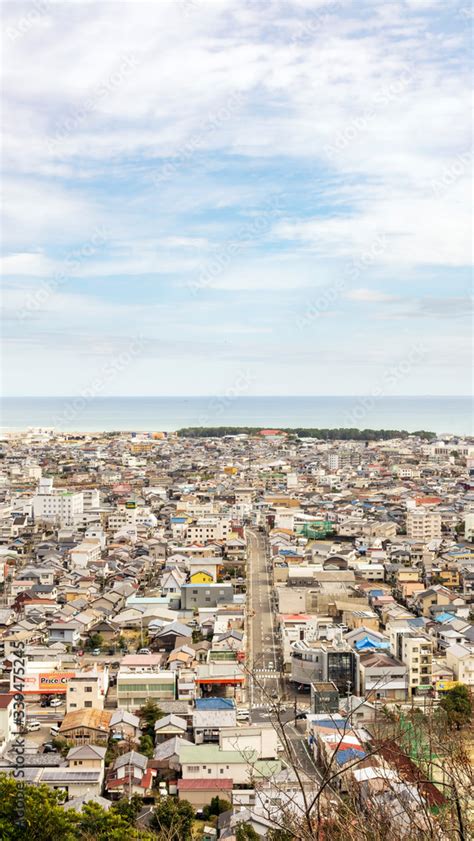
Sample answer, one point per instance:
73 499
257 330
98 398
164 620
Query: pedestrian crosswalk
266 673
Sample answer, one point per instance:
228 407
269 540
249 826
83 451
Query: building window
88 689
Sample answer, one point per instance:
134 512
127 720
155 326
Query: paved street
265 683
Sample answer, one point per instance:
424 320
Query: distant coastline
81 413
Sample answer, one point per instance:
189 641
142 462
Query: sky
234 197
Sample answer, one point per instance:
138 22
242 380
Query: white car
242 715
56 702
33 725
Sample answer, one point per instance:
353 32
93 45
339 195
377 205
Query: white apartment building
62 507
460 659
8 726
469 526
91 498
209 529
423 524
122 517
86 553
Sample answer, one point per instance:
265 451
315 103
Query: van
33 725
243 715
54 730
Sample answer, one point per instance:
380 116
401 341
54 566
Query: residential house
86 726
169 726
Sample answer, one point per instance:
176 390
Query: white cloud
369 296
26 263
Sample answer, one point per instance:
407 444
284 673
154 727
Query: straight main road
265 683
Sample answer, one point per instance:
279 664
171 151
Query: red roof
227 680
205 785
271 432
5 699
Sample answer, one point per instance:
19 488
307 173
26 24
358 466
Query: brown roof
205 785
5 699
95 719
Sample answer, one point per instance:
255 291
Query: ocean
96 414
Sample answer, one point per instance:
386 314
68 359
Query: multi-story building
62 507
208 529
423 524
416 651
84 691
318 662
460 658
135 688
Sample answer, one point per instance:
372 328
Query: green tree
94 641
146 745
457 706
149 714
246 832
129 809
216 807
62 745
33 812
174 819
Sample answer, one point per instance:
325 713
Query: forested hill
325 434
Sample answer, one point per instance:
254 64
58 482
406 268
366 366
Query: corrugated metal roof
195 754
206 704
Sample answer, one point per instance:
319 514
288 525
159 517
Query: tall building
416 651
61 507
423 524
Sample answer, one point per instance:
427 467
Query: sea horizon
75 413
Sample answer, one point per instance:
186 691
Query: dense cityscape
258 635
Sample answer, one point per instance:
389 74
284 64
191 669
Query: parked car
49 748
95 652
33 725
144 651
56 702
54 730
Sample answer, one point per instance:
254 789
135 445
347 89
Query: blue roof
444 617
418 622
338 724
343 756
366 642
215 704
376 592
